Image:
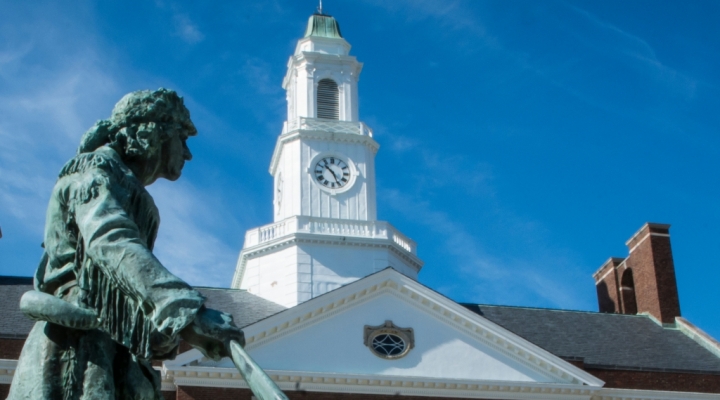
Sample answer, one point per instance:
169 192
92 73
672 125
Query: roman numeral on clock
337 167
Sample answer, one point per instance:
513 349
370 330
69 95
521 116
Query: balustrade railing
327 125
326 226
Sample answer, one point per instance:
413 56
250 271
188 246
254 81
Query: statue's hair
140 122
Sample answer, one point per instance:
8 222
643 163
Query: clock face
332 172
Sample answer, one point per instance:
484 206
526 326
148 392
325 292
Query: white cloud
452 14
257 74
53 87
187 29
402 143
638 45
538 276
633 47
188 244
41 120
8 56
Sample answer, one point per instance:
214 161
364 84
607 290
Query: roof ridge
551 309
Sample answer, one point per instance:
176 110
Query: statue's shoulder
85 174
103 161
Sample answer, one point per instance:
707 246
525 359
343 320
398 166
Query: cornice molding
299 134
311 238
632 394
392 385
369 384
7 370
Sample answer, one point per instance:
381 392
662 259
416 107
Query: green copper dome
323 26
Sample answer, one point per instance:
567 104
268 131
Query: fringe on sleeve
121 316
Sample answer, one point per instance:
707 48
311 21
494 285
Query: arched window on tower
327 99
627 291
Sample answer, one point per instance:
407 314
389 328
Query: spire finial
320 8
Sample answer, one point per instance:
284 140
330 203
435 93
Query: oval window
388 345
389 341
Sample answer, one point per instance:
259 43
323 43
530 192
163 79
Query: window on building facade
389 341
328 105
388 345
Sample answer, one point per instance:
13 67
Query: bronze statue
105 306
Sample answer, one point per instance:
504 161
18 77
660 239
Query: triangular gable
453 345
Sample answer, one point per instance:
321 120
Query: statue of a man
106 306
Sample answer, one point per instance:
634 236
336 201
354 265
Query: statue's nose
187 155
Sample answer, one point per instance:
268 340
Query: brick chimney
644 282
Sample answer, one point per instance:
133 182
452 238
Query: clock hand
333 173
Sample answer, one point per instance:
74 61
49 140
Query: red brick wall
10 349
606 284
655 285
672 381
653 271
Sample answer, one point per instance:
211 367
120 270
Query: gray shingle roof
246 308
604 340
601 340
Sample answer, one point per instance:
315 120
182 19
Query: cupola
322 76
322 25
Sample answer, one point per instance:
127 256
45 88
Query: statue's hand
211 333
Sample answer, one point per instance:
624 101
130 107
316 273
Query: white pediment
326 335
335 345
323 337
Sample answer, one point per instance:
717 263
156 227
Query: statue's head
148 129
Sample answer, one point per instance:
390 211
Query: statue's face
173 155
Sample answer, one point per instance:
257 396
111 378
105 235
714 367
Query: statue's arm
112 239
112 243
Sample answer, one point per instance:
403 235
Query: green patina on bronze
105 306
321 25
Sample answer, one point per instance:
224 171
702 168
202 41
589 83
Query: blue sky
522 143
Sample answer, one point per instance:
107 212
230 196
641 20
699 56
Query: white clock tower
325 232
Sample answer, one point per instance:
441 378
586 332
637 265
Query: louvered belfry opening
327 99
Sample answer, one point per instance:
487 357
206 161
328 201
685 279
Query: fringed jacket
100 229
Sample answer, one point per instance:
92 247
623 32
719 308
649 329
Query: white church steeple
321 85
326 232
